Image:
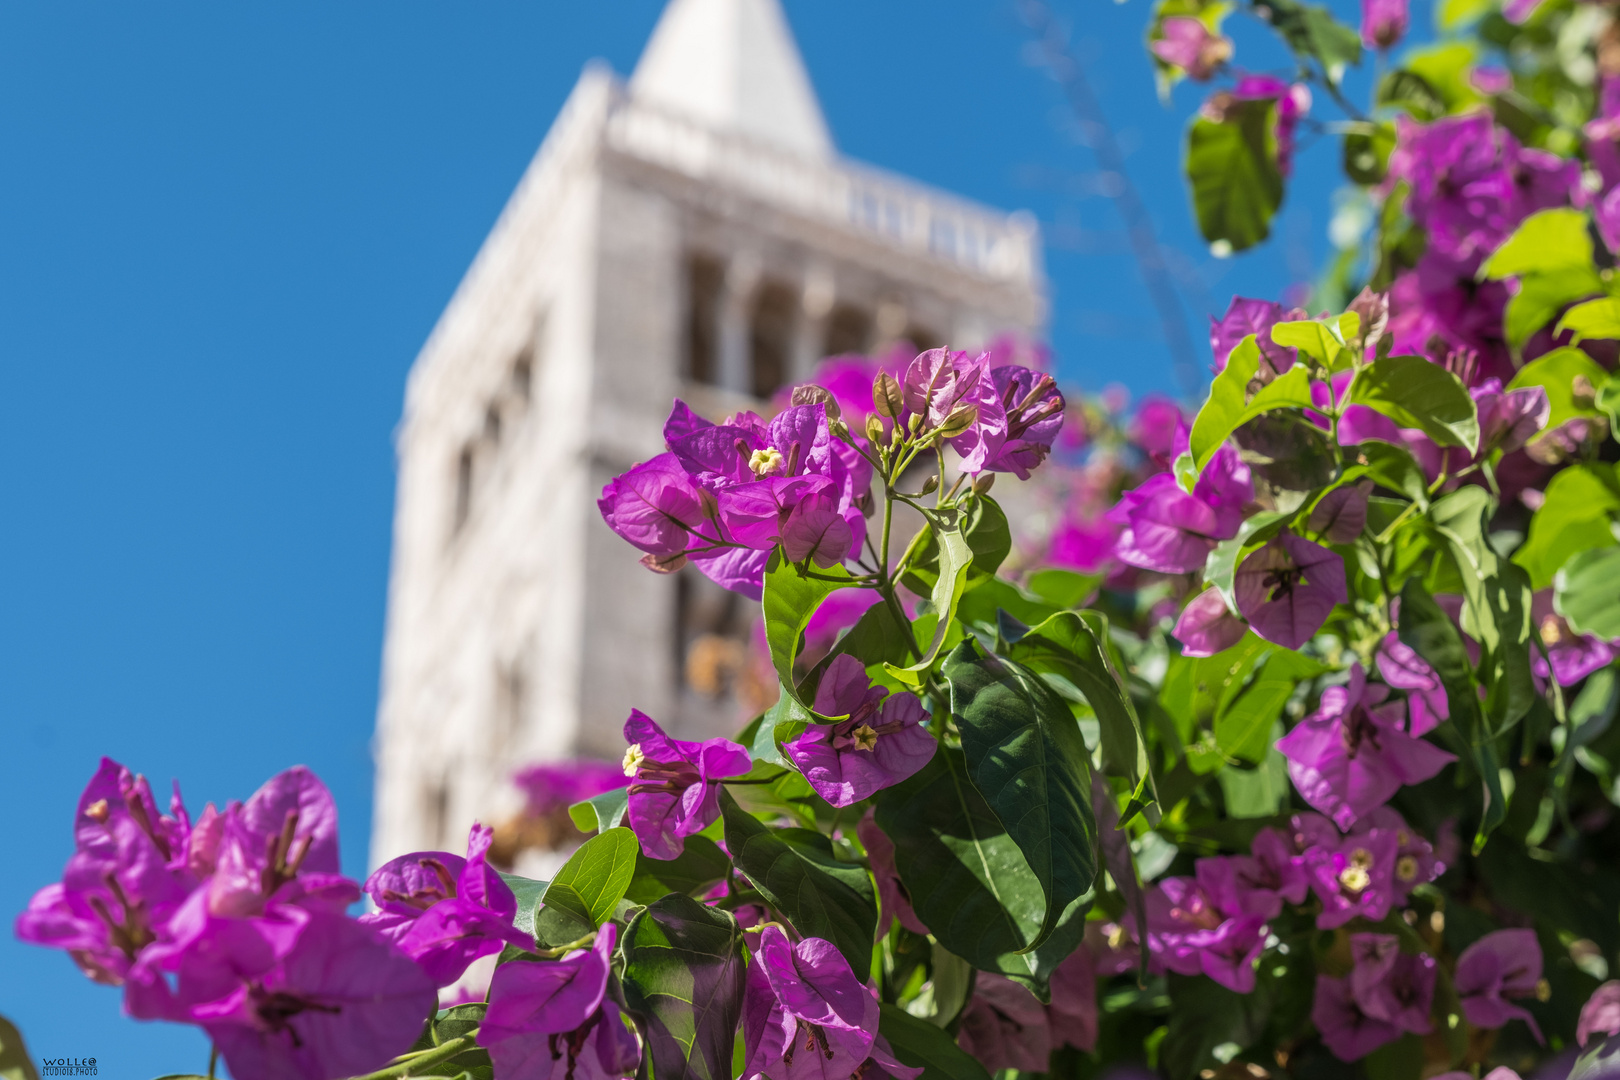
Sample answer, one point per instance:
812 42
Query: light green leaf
1587 592
1065 588
1574 517
985 528
1551 254
1323 342
1259 792
1068 653
528 893
594 879
683 982
1556 372
1418 394
921 1045
601 812
955 559
1232 168
1313 31
797 872
1226 410
1389 466
1027 759
15 1064
1593 319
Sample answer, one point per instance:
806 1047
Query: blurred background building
692 232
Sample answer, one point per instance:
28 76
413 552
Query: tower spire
733 64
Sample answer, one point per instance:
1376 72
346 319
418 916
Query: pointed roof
734 65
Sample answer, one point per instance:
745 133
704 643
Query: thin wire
1145 247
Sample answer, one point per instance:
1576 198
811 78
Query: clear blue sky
226 229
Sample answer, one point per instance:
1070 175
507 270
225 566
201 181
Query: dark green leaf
1366 154
921 1045
1574 517
1065 588
1410 91
683 982
600 812
797 872
1313 32
1228 408
978 608
1069 655
594 879
528 893
1205 1015
700 865
1027 759
1587 592
791 597
1232 167
985 528
1389 466
1430 633
1416 393
15 1064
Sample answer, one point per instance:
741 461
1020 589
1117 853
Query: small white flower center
633 757
766 462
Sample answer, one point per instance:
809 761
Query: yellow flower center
633 757
865 738
1406 868
1355 876
766 462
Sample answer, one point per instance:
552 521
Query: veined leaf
799 875
988 536
1587 592
1027 759
700 865
1418 394
955 559
1227 410
1555 373
1232 168
1551 255
601 812
683 982
921 1045
1324 342
1574 517
791 597
1389 466
1593 319
594 879
528 893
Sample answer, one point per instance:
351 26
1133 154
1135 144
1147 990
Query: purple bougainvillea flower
1189 45
675 786
551 1020
940 383
1257 883
1206 626
1416 862
1383 23
1570 657
891 890
1173 532
1152 428
1073 1009
341 1002
1288 588
281 845
1601 1013
1404 669
1392 986
815 530
1341 514
554 786
131 869
880 743
443 911
1509 419
1293 103
756 515
805 1014
1190 934
1245 316
1353 876
1004 1027
1352 754
1347 1031
1502 964
1033 406
658 508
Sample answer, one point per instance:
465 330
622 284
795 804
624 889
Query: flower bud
1582 392
811 394
664 564
931 484
886 397
874 429
960 419
982 483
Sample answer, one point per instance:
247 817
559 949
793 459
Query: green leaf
1551 254
1389 466
1573 518
955 559
594 879
790 598
700 865
1068 653
1587 592
1314 32
1556 372
600 812
921 1045
979 607
1410 91
1366 153
1430 633
1064 588
15 1064
1323 342
985 528
1447 69
1418 394
1221 567
1232 168
683 982
1226 410
797 872
1593 319
1026 757
1259 792
528 893
968 880
1205 1016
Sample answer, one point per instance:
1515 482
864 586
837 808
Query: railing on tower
994 245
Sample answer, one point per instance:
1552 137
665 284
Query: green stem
416 1064
1383 537
213 1060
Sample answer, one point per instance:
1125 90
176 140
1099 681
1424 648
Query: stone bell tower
692 232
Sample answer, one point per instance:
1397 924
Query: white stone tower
692 233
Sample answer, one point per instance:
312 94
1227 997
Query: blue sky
226 229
